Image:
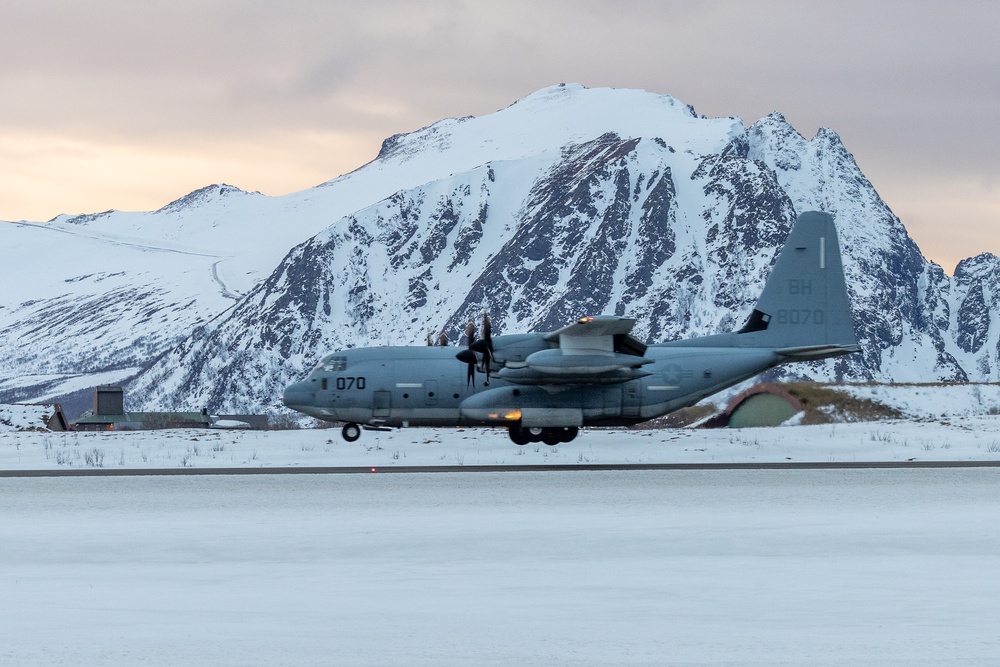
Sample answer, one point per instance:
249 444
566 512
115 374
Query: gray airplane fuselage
590 372
425 386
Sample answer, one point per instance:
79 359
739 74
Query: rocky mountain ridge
570 202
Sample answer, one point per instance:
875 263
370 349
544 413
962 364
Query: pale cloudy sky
129 105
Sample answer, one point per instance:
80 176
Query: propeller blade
483 346
468 355
488 338
470 333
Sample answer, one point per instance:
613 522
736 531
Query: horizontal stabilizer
814 352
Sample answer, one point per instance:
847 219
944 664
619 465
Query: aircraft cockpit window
334 364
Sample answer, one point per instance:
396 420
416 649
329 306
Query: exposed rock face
977 281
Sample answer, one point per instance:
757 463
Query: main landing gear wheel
569 433
518 435
351 432
550 436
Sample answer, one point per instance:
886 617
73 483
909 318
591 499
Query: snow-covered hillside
571 201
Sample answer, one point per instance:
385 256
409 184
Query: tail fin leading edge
804 311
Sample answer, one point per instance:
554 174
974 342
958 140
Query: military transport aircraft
545 386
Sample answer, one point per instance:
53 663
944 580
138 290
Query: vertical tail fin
804 311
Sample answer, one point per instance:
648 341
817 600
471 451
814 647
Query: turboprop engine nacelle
528 407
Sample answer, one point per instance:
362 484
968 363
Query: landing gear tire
552 436
568 433
522 436
518 435
351 432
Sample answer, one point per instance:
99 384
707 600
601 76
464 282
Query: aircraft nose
297 394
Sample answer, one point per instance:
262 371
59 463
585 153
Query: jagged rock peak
981 265
202 196
773 136
774 133
82 219
774 122
828 138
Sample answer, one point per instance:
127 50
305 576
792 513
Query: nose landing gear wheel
351 432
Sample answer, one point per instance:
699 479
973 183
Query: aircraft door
381 402
631 400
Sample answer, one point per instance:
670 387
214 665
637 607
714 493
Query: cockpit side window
333 364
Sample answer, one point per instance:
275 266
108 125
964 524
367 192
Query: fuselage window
326 384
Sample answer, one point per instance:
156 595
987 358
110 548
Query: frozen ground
959 438
887 567
848 567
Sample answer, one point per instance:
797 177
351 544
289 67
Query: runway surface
585 467
729 565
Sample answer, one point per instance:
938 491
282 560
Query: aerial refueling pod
559 362
534 376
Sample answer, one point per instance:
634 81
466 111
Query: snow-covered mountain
571 201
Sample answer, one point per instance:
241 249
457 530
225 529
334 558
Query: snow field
888 567
960 438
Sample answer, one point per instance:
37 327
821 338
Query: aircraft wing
605 325
606 333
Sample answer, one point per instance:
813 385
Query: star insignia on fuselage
674 374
